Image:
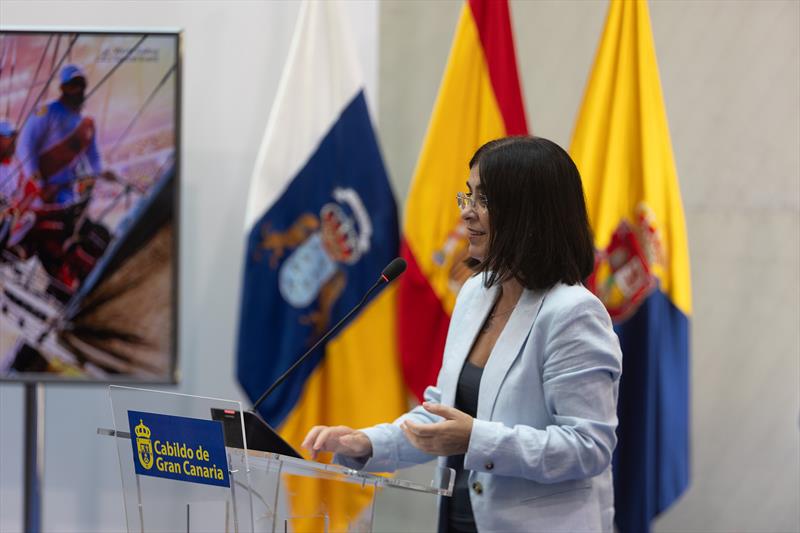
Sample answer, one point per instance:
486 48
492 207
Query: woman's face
476 218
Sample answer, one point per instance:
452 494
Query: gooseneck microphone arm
392 270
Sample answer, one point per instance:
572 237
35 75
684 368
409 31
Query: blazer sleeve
391 450
580 373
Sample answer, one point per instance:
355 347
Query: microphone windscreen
394 269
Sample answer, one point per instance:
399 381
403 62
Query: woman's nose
468 213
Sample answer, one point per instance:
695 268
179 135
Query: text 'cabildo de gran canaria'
168 455
175 457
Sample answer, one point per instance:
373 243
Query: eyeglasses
465 199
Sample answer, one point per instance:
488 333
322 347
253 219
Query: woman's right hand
337 439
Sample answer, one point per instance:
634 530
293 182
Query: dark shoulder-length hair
538 227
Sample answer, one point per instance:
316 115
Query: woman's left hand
448 437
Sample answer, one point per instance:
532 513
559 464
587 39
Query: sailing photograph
88 200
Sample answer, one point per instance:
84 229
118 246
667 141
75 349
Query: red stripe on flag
493 20
422 324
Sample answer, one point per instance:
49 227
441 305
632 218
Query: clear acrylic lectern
178 475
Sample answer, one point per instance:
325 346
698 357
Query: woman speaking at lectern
524 408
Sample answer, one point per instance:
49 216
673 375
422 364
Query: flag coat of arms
479 100
321 224
622 148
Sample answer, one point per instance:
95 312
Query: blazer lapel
506 350
469 326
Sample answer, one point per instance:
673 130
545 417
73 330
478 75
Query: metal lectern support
34 455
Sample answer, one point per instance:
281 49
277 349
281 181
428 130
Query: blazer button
489 465
477 487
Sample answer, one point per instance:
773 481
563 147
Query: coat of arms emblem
623 274
339 235
144 446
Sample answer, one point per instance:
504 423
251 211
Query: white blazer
541 444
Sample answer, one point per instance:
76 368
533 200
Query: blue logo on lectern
176 447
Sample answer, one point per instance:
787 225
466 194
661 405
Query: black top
457 511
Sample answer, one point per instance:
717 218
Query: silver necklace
494 314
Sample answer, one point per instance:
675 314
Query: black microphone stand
305 356
258 433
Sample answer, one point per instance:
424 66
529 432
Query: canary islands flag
479 100
321 225
622 147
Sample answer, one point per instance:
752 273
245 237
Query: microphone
396 267
393 270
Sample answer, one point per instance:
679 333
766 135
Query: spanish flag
479 100
622 147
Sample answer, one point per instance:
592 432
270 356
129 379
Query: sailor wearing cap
6 131
8 166
9 180
57 146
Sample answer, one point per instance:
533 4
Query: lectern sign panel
176 447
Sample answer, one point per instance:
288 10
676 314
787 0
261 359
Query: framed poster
89 176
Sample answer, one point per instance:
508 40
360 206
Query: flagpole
34 455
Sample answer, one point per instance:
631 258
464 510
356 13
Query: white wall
730 72
233 56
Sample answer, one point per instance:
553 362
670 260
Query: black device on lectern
260 435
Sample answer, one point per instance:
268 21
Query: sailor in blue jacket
8 163
59 132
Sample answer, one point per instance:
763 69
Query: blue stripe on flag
651 462
273 333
